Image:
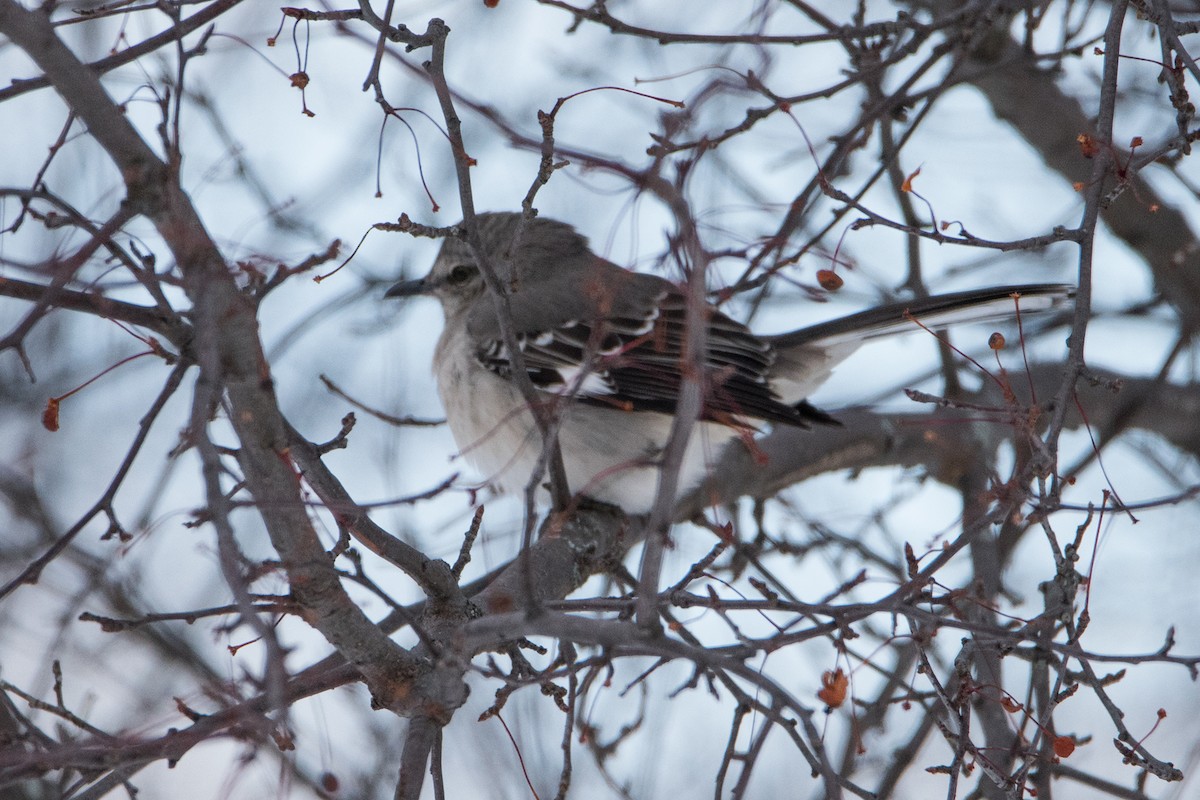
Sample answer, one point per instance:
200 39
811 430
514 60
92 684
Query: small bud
830 281
1063 746
50 415
833 688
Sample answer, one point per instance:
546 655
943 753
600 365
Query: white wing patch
591 383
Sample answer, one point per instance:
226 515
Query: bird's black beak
409 288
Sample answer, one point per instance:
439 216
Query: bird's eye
460 274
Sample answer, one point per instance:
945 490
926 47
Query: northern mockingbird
606 344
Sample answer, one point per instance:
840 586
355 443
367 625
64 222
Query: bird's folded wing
636 362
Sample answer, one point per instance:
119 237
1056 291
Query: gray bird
605 345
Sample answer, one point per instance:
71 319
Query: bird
604 347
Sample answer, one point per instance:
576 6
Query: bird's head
541 247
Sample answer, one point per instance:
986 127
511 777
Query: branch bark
229 354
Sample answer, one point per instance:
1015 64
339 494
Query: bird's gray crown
544 244
525 253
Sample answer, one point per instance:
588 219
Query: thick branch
938 440
230 357
95 303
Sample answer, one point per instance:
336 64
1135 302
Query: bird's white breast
609 454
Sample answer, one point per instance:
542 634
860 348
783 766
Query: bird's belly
609 454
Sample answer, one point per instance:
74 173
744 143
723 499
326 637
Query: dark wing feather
635 361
